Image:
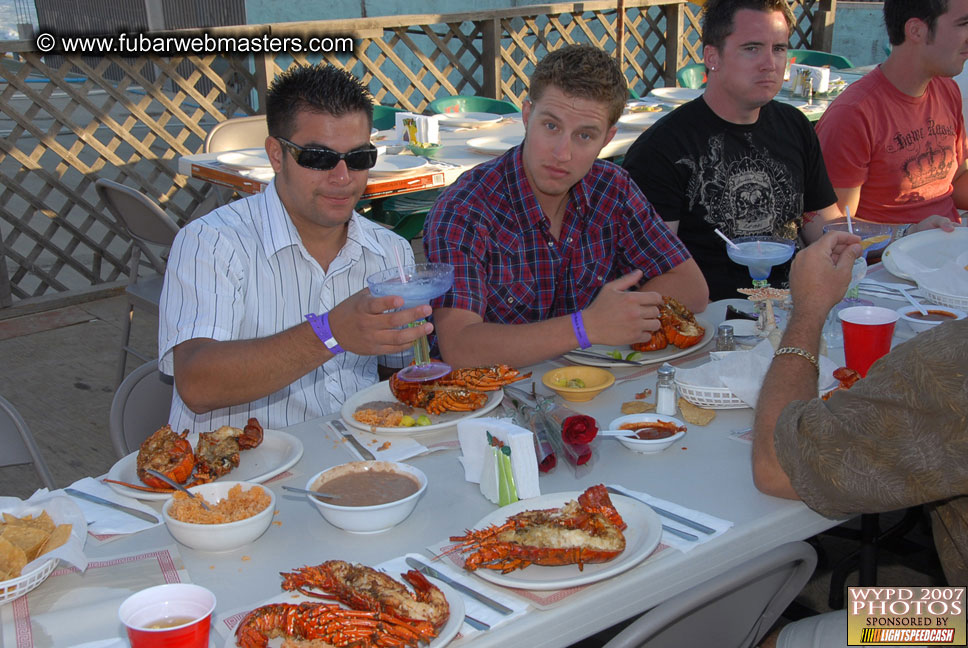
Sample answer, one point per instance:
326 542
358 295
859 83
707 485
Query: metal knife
433 573
477 624
341 429
147 517
681 534
664 513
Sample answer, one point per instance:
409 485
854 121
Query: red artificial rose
578 429
583 452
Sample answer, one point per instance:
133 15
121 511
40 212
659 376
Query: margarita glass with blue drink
760 254
417 284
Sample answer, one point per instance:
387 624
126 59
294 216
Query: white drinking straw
920 308
396 254
728 242
850 224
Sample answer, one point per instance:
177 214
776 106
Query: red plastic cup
184 608
867 335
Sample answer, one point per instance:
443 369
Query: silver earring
712 69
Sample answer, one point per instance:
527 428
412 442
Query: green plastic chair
633 94
384 117
471 104
692 75
812 57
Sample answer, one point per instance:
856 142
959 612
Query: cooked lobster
462 390
586 531
215 454
327 622
364 588
678 326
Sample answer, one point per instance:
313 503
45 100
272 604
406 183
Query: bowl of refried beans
373 496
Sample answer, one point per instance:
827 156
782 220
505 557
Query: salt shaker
665 391
724 338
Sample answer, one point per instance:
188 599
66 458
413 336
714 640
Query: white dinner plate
641 538
251 158
446 635
921 251
468 119
676 95
381 392
640 120
494 145
648 357
277 453
260 174
394 164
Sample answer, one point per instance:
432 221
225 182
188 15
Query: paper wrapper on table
819 75
427 128
742 372
62 510
479 461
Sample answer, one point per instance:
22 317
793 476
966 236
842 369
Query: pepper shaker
724 338
665 391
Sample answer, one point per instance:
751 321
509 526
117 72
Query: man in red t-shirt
894 142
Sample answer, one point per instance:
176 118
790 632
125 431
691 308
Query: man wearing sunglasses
552 247
264 312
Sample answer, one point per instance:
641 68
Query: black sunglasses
321 158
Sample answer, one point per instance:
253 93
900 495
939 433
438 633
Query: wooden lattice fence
129 118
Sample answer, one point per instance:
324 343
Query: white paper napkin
103 520
62 510
472 434
389 448
685 546
472 607
742 372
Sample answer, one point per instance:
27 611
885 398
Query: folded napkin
62 510
389 448
472 607
742 372
478 460
103 520
685 546
425 131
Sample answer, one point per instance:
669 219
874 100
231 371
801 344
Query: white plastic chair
733 610
141 405
237 133
19 446
147 225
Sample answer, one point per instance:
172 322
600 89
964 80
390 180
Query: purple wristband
321 328
578 324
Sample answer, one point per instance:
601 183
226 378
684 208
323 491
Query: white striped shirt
242 272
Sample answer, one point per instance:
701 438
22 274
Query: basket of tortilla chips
25 538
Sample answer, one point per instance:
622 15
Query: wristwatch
902 231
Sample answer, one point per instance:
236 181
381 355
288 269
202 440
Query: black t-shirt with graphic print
747 180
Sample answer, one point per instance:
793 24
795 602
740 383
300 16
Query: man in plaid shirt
552 247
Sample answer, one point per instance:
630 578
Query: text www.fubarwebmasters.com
134 44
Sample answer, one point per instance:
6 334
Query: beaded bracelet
578 324
322 330
800 352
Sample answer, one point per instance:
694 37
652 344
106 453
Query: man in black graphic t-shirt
733 158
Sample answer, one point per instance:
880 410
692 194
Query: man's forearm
518 345
790 378
210 374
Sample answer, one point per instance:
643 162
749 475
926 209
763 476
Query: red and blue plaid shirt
508 267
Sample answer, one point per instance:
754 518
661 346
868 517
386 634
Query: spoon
171 482
310 492
626 433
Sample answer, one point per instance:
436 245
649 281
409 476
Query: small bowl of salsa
648 433
374 496
936 315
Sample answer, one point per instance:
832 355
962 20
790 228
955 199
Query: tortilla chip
42 522
27 538
59 537
695 414
637 407
12 558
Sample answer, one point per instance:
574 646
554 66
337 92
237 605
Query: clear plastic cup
178 615
867 335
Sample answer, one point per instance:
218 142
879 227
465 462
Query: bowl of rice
240 513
